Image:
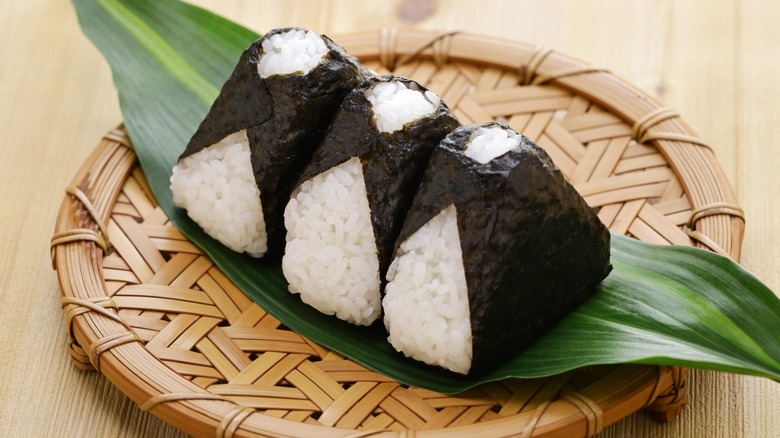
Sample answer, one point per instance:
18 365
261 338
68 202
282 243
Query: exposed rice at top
486 144
290 52
396 103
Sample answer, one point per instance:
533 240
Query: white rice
396 103
294 51
217 188
330 258
331 254
426 299
486 144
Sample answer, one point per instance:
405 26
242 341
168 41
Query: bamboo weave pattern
183 312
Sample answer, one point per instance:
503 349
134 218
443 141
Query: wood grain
715 62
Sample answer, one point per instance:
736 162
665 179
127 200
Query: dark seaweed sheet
285 117
393 163
532 248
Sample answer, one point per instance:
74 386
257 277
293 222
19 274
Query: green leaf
166 76
661 305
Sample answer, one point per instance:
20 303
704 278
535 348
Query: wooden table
716 62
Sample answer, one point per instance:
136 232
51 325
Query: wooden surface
715 62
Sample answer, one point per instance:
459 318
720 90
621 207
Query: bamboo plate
153 314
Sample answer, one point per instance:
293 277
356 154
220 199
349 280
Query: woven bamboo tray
146 308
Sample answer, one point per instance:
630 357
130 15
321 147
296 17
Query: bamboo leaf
661 305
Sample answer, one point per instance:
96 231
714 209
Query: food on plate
307 151
235 175
496 248
349 204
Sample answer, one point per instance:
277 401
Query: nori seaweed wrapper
393 163
533 250
285 117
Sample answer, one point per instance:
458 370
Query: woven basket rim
142 377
